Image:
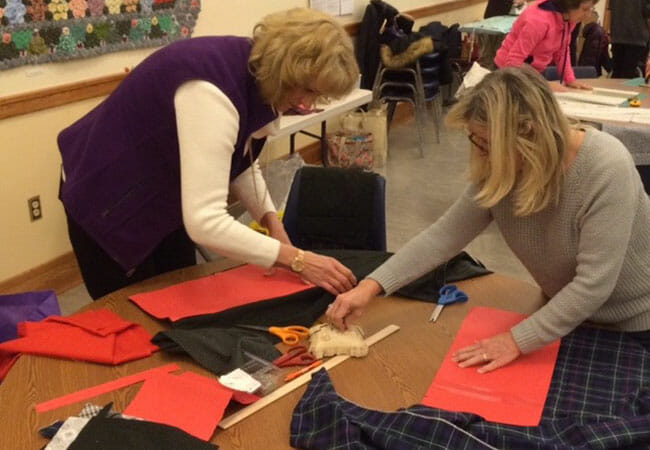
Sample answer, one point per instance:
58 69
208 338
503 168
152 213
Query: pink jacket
542 33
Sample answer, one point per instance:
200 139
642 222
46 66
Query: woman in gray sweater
569 203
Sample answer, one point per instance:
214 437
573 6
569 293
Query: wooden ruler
294 384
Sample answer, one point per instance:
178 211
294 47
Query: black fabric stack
214 341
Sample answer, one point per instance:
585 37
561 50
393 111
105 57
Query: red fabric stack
97 336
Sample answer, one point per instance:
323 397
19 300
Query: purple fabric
28 306
121 163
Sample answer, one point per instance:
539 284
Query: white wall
29 159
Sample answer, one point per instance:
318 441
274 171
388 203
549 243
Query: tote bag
351 146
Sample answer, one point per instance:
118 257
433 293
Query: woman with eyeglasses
542 35
148 172
568 201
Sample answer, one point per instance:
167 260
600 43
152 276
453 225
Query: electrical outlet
35 210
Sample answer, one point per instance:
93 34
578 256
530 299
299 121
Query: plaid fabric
599 399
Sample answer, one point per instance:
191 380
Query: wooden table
396 373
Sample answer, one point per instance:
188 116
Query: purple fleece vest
121 160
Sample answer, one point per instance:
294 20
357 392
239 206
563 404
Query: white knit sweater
590 253
208 124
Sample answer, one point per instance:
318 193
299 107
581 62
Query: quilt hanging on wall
39 31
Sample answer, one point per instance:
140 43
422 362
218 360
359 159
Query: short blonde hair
302 48
527 134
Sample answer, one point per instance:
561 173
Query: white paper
347 7
240 381
332 7
603 113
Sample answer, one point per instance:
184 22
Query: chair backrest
330 207
551 73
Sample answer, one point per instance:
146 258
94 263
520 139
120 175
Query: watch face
297 265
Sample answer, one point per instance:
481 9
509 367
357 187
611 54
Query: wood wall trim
30 102
60 275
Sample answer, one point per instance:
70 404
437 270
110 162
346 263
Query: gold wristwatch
298 263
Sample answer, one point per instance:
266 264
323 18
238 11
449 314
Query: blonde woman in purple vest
147 173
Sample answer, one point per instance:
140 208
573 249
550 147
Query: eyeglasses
478 142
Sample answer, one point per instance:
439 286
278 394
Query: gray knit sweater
590 253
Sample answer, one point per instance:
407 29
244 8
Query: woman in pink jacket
542 34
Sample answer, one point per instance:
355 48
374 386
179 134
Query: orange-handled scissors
290 335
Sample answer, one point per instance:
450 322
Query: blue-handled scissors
449 294
290 335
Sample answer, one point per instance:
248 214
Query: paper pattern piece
601 96
513 395
332 7
190 403
103 388
219 292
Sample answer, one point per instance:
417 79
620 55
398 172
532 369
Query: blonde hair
302 48
527 134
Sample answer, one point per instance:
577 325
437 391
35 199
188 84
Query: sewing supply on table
448 294
295 356
290 335
635 102
299 372
292 385
327 340
264 372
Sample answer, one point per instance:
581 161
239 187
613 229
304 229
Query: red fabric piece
97 336
219 292
109 386
514 394
192 403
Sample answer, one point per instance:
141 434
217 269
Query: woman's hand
577 85
351 304
494 352
328 273
557 87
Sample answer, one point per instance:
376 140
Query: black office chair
551 73
331 207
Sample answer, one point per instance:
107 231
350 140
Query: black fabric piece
335 207
458 268
211 339
219 350
50 430
102 433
